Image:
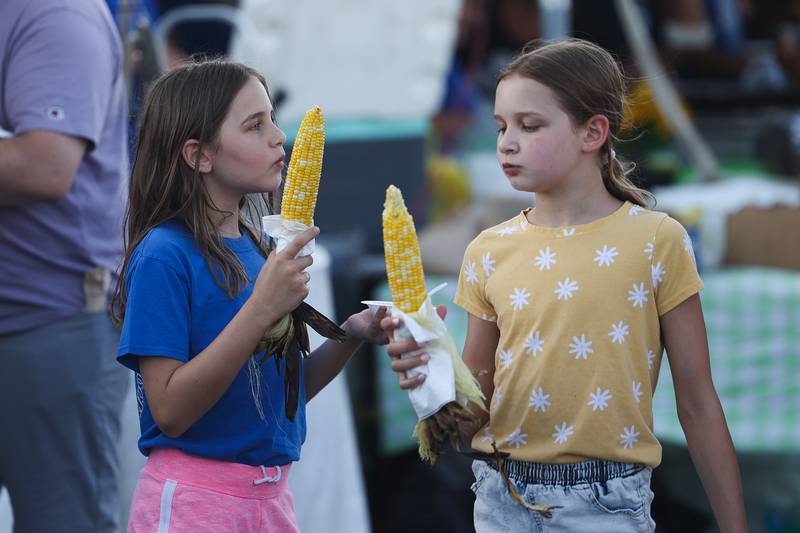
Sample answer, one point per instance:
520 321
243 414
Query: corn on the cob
407 284
401 250
305 168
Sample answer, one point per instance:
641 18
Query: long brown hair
586 81
189 102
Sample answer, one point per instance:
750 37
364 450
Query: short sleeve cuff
680 297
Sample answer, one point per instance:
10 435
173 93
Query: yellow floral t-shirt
580 343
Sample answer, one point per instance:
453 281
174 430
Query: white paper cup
374 305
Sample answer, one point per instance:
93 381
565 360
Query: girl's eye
529 127
501 129
256 125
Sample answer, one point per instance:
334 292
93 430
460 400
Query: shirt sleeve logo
55 113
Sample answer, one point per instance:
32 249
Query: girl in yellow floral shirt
571 305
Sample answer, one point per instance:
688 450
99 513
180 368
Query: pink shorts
180 493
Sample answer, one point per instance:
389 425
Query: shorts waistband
568 474
245 481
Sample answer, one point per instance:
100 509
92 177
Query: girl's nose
507 146
279 138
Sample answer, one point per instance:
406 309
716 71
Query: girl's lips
510 170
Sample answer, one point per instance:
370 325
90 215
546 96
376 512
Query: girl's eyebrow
523 114
254 115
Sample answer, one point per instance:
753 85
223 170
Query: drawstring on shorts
268 479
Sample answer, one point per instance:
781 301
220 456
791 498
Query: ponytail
619 185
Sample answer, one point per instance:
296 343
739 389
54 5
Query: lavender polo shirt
61 71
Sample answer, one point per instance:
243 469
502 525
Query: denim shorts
597 496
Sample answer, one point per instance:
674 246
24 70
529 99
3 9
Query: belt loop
96 283
266 478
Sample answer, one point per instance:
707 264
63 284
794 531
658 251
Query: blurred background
713 124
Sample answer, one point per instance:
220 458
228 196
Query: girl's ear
194 156
596 133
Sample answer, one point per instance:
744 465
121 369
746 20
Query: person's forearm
327 361
195 387
38 166
714 457
14 179
468 429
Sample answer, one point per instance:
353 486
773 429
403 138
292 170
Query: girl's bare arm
479 352
329 359
179 394
700 412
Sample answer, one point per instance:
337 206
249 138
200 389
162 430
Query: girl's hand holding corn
397 348
282 283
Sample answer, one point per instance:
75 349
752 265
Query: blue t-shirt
175 309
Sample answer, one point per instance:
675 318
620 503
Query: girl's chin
272 183
522 184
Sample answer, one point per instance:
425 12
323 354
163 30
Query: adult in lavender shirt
62 178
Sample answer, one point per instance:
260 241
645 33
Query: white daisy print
618 332
635 210
566 288
629 437
519 298
636 387
658 271
534 343
545 259
539 400
487 436
486 317
488 264
638 296
470 272
568 232
523 225
562 433
651 357
606 256
517 439
581 347
650 249
505 358
599 399
508 230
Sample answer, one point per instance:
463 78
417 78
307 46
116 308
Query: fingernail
425 357
395 321
422 377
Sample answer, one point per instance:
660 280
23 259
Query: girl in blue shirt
195 297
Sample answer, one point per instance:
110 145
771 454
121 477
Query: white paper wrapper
438 389
284 231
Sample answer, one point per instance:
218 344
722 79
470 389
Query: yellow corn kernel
305 168
401 250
